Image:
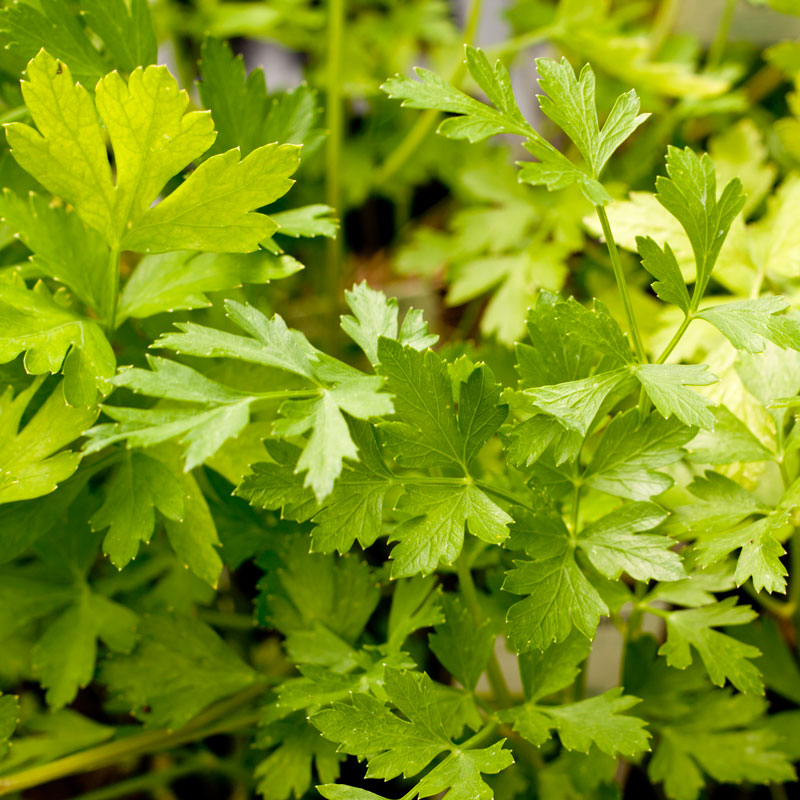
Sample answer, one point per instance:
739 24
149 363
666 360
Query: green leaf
296 746
460 773
63 247
576 404
415 605
203 430
125 29
330 441
553 356
140 486
594 328
404 746
307 222
270 342
54 338
598 720
354 510
545 673
690 195
274 484
730 442
560 596
238 102
431 432
337 791
721 504
777 662
747 323
341 593
145 122
195 669
761 550
9 717
570 103
244 114
32 459
179 280
669 285
615 545
699 730
215 208
723 657
475 121
153 139
394 746
374 316
555 171
666 385
194 536
434 533
317 410
461 646
65 655
626 460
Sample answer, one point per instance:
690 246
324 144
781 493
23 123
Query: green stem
211 722
776 607
778 792
673 342
334 117
113 294
481 736
622 284
717 49
662 25
426 122
14 114
514 45
470 594
222 619
576 507
158 778
503 495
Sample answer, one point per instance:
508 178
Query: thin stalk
576 508
481 736
113 294
14 114
229 620
156 779
512 46
470 594
503 495
673 342
622 284
426 122
662 25
783 610
211 722
334 119
717 49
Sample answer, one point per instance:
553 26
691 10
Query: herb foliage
364 554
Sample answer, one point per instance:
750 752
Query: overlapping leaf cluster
417 520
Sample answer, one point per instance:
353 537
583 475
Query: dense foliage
266 528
